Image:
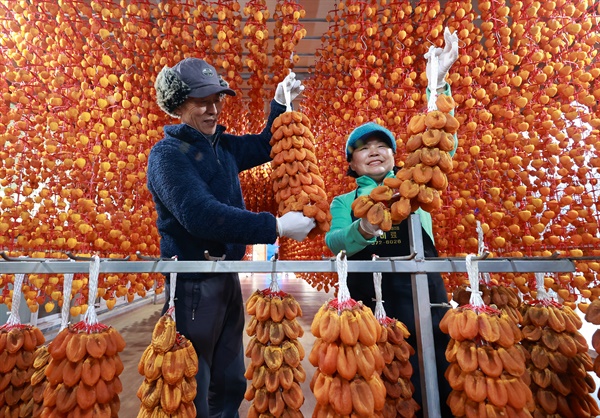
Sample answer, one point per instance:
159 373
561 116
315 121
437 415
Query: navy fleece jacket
197 192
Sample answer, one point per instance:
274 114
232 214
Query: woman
370 151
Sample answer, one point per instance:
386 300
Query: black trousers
210 313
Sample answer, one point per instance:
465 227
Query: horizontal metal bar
439 265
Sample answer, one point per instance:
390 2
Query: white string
172 287
432 84
379 310
473 272
481 249
541 290
90 316
274 286
14 318
66 307
287 93
552 294
480 243
341 264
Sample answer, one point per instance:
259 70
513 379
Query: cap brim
381 135
206 91
375 133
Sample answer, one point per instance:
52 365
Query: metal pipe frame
417 266
424 325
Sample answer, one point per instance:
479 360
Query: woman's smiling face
373 158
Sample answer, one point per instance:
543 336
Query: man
193 177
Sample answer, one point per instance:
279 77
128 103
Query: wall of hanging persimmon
78 118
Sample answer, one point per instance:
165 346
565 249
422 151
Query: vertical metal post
424 326
154 293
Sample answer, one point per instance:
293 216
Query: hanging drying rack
406 264
416 264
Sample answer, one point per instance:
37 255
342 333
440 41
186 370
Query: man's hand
295 225
290 87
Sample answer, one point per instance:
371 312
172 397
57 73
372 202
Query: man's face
202 113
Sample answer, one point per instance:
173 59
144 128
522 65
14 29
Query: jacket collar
368 182
188 134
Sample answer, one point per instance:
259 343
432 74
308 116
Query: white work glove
295 225
369 228
290 86
446 57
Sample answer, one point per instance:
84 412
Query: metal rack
411 264
416 264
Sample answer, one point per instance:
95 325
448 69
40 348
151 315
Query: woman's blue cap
366 131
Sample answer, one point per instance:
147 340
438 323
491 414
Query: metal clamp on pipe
411 256
440 305
8 258
86 258
149 258
211 258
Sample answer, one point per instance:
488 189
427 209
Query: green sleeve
343 234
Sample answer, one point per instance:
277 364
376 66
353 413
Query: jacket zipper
214 146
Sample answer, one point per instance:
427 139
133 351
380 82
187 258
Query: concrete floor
136 328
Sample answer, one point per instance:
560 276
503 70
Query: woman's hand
368 230
446 57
